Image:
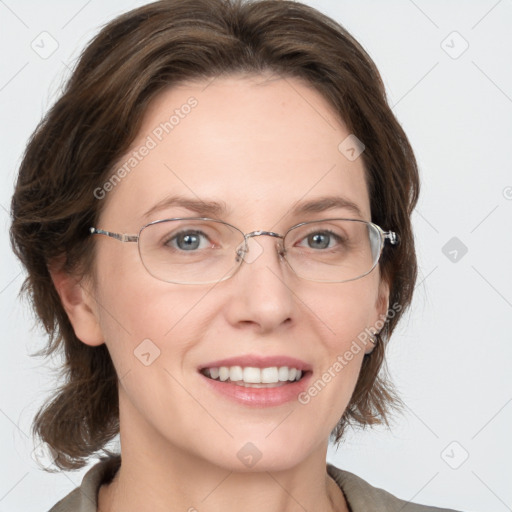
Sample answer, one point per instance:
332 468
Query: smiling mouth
254 377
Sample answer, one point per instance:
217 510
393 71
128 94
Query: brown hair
75 147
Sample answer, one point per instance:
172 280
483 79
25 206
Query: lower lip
260 397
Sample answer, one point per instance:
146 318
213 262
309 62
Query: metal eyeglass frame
392 236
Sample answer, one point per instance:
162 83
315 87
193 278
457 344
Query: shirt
359 494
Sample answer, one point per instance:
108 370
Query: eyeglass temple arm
393 237
118 236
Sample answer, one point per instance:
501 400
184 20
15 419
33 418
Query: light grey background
450 358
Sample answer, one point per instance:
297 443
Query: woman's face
259 148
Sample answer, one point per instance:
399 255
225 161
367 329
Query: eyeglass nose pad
241 251
281 251
249 251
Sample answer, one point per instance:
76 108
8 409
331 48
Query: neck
227 495
158 476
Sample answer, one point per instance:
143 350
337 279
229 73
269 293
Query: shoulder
85 497
361 496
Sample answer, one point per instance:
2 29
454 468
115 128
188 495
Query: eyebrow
203 208
323 204
219 208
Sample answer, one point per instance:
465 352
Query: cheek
345 311
139 314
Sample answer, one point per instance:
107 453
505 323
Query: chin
258 453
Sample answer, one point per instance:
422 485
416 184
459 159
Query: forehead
257 145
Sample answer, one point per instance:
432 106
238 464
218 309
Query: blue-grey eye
319 240
189 240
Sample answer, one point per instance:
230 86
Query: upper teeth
253 375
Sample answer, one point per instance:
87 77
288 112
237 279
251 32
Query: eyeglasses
198 250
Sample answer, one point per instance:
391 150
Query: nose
262 297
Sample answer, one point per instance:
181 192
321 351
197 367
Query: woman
215 221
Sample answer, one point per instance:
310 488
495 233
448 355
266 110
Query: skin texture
258 144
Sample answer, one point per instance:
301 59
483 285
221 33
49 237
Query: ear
380 312
382 303
79 303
